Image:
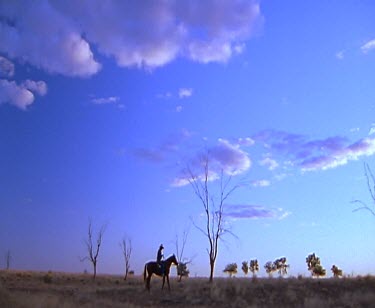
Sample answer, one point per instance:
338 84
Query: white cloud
105 100
39 87
245 211
6 68
261 183
58 36
37 33
223 157
179 108
245 141
340 55
21 95
270 163
15 95
185 92
363 147
372 129
229 158
369 46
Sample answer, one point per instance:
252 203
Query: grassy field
41 289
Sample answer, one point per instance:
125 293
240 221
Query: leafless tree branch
370 180
92 249
126 246
214 228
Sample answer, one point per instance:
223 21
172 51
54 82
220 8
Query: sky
104 104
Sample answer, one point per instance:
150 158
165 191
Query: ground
50 289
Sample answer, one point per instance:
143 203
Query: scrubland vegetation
50 289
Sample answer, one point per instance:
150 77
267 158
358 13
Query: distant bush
245 267
47 278
336 271
314 266
231 269
254 267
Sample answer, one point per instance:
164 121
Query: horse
154 268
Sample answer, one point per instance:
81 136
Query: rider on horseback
160 257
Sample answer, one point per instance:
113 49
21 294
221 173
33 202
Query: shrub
47 278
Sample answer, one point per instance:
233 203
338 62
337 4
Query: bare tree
182 269
126 247
8 258
93 250
214 228
371 188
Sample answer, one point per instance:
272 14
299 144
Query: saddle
161 267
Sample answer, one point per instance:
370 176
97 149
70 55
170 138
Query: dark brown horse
154 268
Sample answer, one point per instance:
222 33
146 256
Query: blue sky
103 104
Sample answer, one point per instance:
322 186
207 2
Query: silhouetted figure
154 268
160 258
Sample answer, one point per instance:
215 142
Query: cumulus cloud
37 33
22 95
242 211
6 68
58 36
15 95
369 46
39 87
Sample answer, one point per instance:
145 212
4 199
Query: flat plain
53 289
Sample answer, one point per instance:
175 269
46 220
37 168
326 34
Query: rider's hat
161 246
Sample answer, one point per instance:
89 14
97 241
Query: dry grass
41 289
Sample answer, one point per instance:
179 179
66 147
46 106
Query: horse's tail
144 272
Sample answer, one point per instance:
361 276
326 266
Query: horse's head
174 260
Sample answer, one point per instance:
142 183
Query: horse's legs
162 287
169 287
148 279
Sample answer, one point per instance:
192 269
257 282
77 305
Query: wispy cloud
270 163
341 156
372 129
261 183
255 212
222 157
369 46
247 141
340 55
21 95
105 100
6 68
159 153
319 154
58 36
185 92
